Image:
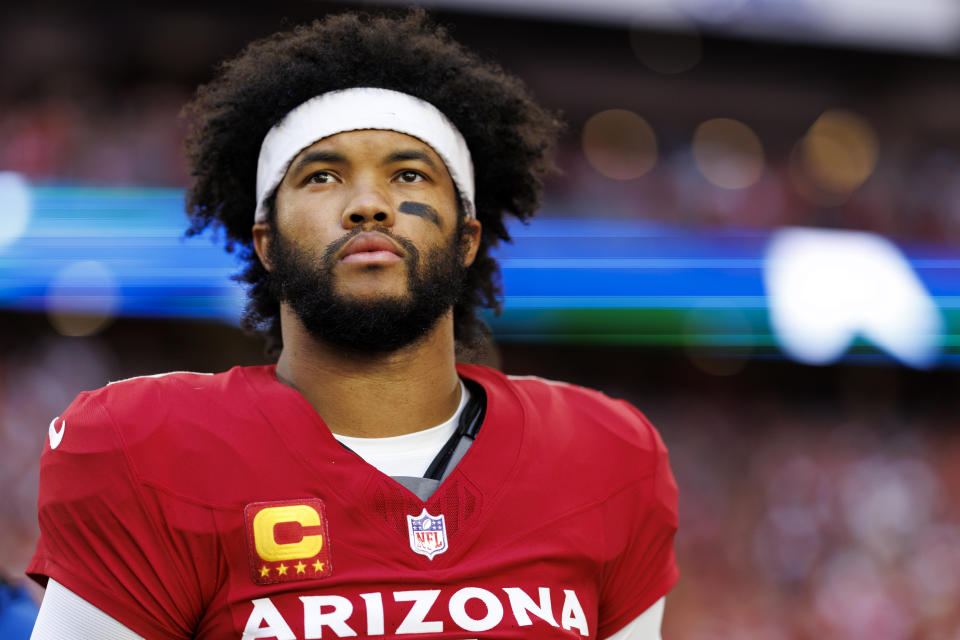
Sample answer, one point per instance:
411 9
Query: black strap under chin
471 419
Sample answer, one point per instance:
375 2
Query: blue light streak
554 265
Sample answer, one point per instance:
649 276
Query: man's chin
373 292
375 298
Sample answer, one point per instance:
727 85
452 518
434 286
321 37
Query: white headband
361 108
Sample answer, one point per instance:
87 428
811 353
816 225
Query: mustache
328 254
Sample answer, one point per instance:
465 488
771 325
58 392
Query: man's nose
368 205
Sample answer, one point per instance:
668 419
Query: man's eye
410 176
321 177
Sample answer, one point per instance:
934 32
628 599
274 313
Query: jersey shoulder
604 442
157 429
176 398
180 390
581 411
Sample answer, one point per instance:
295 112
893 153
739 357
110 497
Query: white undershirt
64 614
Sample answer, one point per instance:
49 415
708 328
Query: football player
366 485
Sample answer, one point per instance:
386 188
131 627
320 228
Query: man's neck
373 396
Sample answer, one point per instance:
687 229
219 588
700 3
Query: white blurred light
15 207
728 153
82 298
929 24
717 11
921 25
826 287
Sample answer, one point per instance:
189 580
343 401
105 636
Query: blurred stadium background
755 238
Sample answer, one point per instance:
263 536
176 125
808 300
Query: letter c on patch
264 532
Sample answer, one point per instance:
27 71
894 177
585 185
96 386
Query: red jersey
221 506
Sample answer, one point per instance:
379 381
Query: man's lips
370 246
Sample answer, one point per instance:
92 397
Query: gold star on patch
318 566
282 569
264 572
301 567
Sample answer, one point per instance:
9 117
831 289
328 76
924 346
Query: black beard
367 326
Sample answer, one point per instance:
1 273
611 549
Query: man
366 485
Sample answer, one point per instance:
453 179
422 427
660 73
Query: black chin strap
471 419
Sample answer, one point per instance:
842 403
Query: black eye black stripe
420 209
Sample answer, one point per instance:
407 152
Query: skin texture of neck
373 396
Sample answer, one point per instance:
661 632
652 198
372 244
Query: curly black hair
509 135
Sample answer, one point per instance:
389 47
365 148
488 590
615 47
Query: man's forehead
379 142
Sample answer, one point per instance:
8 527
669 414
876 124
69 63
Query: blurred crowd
97 138
808 527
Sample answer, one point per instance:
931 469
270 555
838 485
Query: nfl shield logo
428 534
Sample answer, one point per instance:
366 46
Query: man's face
368 251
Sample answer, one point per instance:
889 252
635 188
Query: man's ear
471 236
262 237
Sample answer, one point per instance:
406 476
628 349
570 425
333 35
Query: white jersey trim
646 626
556 383
64 614
159 375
